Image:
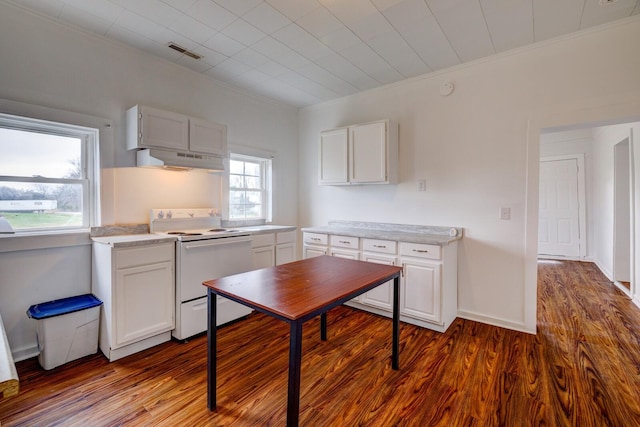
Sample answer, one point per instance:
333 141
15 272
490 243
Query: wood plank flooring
581 369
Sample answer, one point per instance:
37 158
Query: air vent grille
184 51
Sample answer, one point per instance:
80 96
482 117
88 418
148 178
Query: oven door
202 260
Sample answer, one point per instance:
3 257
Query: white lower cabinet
420 296
264 253
314 245
271 249
137 287
382 296
428 286
285 247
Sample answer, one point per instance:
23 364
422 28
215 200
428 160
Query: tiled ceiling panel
303 52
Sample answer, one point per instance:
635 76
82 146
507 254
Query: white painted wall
47 64
478 150
635 170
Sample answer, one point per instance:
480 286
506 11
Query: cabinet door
368 153
333 157
263 257
421 290
208 138
144 302
163 129
313 251
285 253
382 296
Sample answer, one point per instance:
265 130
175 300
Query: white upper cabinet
208 138
368 153
152 128
359 154
334 152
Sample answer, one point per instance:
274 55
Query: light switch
422 185
505 213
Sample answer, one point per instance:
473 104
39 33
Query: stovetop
190 224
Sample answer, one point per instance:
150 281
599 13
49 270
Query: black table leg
295 359
211 350
323 326
396 323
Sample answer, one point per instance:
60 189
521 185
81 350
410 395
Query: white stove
204 251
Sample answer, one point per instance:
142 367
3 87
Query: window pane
29 154
237 197
254 182
33 206
236 181
253 211
236 211
252 169
236 166
254 197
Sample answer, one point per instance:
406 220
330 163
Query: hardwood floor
581 369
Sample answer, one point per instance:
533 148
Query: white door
559 226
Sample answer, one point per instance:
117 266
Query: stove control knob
190 214
169 214
160 215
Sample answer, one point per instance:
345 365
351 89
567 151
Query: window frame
89 163
265 159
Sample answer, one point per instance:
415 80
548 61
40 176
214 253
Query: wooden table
296 292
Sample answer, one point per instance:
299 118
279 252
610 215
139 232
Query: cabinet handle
403 268
315 239
344 242
380 246
422 251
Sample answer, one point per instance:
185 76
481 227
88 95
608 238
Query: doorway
622 215
562 214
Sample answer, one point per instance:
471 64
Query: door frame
630 195
582 202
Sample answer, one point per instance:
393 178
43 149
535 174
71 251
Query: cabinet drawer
315 239
143 255
421 250
286 237
345 242
258 240
382 246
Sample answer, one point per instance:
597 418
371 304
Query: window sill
26 241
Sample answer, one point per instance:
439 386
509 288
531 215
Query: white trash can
67 329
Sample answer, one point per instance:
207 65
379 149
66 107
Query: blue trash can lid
62 306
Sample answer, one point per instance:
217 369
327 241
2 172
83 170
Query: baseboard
636 300
495 321
25 353
604 270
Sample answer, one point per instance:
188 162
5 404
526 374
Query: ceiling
303 52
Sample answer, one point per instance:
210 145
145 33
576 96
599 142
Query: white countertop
432 235
133 239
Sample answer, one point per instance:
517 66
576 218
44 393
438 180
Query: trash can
67 329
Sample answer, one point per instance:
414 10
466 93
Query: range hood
177 160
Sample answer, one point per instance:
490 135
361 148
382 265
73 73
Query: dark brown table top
300 289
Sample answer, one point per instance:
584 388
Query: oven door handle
220 241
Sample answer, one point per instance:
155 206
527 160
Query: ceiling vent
184 51
606 2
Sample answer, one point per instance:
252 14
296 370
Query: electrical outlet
505 213
422 185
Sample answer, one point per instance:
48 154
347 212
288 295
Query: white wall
478 150
47 64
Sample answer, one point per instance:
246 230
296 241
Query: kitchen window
249 187
48 174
